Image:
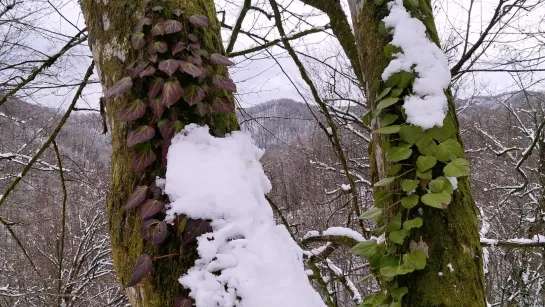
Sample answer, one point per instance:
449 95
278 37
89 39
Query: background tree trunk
452 235
110 24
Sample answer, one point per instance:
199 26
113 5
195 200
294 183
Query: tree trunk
451 234
110 24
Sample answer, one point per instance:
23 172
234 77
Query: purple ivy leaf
172 92
143 158
192 37
193 94
149 71
140 135
190 69
153 57
159 46
157 107
193 229
132 111
199 20
138 69
200 53
154 231
223 105
145 21
224 83
219 59
141 270
138 40
155 87
177 47
119 88
169 66
151 207
195 60
169 128
177 12
130 66
158 29
137 197
202 108
183 302
194 47
172 26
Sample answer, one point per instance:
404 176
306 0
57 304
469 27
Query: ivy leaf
190 69
383 94
384 182
398 236
158 29
141 270
172 26
374 214
395 169
224 83
388 129
140 135
154 231
219 59
177 47
193 229
148 71
199 20
170 128
457 168
202 108
157 107
192 37
366 249
424 175
424 163
183 302
409 202
119 88
177 12
143 158
136 71
169 66
429 150
138 41
436 186
193 94
382 196
195 60
415 260
222 104
437 200
144 21
137 197
448 149
158 47
396 154
409 185
386 102
414 223
155 87
172 92
388 119
132 111
151 207
396 92
411 134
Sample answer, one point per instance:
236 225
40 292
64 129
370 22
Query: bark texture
110 24
452 235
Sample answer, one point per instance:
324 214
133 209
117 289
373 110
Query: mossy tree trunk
110 24
451 234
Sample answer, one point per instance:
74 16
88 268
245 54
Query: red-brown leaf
193 229
143 158
155 87
140 135
199 20
141 270
169 128
159 46
138 40
193 94
192 37
169 66
178 47
224 83
195 60
202 108
172 92
158 29
151 207
145 21
219 59
190 69
153 57
119 88
157 107
172 26
183 302
154 231
132 111
223 105
150 70
138 69
137 197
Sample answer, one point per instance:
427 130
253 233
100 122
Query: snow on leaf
137 197
193 94
172 92
141 270
193 229
199 20
172 26
158 46
132 111
143 158
190 69
154 231
151 207
169 66
119 88
219 59
138 41
224 83
140 135
155 87
223 104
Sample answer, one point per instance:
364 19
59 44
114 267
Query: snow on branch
536 241
247 260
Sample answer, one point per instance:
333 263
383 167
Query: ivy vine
178 81
420 162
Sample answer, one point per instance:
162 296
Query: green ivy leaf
383 94
374 214
448 149
424 175
406 78
395 223
437 200
429 150
389 271
424 163
398 236
398 293
437 185
388 129
457 168
411 134
404 144
409 201
386 102
394 169
374 300
370 115
390 50
366 249
409 185
425 140
382 197
414 223
395 304
396 92
396 154
388 119
414 3
385 145
447 186
382 31
384 182
415 260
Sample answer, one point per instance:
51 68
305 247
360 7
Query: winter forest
264 153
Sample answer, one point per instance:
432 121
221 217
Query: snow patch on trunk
247 260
